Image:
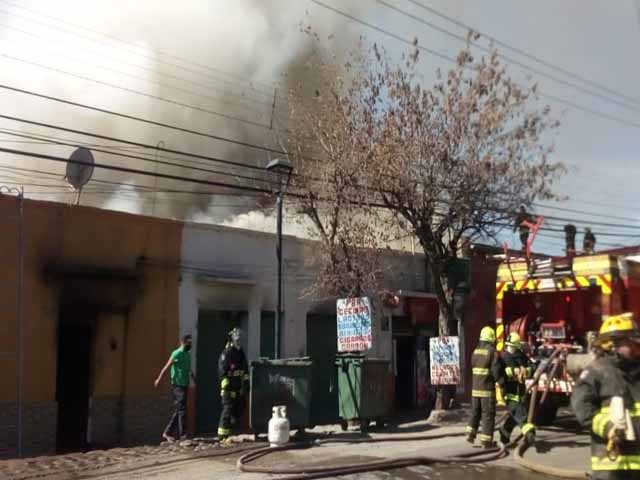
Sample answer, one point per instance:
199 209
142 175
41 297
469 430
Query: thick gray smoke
243 51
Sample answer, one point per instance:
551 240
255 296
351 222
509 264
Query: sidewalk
195 459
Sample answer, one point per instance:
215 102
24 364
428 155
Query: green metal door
322 346
268 334
213 327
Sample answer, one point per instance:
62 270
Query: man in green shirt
180 363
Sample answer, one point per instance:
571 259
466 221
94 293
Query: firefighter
588 242
570 239
612 380
487 371
518 368
234 378
521 226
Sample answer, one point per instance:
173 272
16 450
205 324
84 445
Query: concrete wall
77 255
235 269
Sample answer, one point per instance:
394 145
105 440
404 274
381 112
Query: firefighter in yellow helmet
487 371
606 400
518 368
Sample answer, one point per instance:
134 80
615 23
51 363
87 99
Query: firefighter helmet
488 334
513 340
617 326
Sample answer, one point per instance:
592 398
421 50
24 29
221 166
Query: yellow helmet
617 326
488 334
513 340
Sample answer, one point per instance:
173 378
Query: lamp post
282 170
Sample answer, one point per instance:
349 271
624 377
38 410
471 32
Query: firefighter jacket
487 371
517 368
233 372
604 378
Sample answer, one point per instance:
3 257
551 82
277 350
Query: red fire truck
555 304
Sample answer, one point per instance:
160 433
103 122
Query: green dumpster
363 393
280 382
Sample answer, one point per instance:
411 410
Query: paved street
556 447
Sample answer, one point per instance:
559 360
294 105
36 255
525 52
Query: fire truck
556 305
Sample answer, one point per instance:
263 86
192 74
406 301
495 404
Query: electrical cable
139 92
149 57
448 58
244 100
147 146
137 171
523 53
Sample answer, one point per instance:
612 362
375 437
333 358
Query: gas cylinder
278 426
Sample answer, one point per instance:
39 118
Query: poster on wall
444 353
354 324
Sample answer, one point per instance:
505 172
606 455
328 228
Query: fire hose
309 473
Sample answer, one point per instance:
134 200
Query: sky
213 66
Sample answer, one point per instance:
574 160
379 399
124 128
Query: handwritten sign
444 353
354 324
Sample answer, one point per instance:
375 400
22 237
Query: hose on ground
310 473
544 469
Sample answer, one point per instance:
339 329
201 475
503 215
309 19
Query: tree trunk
445 394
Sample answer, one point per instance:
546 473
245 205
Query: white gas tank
278 427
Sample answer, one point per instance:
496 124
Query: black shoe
504 439
471 439
488 445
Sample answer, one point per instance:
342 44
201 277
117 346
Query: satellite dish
79 170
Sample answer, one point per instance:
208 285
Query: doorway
213 329
405 355
73 385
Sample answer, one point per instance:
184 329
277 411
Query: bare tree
455 161
329 148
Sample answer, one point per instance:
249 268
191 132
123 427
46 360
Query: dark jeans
180 413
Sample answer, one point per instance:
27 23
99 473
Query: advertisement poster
354 324
444 353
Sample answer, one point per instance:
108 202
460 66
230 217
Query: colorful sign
444 353
354 324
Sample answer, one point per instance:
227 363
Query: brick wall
8 438
106 421
144 418
39 429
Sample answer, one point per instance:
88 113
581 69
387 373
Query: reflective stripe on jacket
486 369
604 378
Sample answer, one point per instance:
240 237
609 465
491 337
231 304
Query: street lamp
282 170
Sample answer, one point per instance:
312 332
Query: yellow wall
79 238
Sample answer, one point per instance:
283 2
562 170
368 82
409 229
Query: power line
509 59
49 139
142 120
241 96
440 55
210 183
140 188
139 144
137 92
528 55
267 181
160 162
137 171
149 57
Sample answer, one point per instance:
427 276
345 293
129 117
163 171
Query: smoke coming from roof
209 66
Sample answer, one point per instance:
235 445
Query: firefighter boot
487 444
471 435
504 437
529 432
